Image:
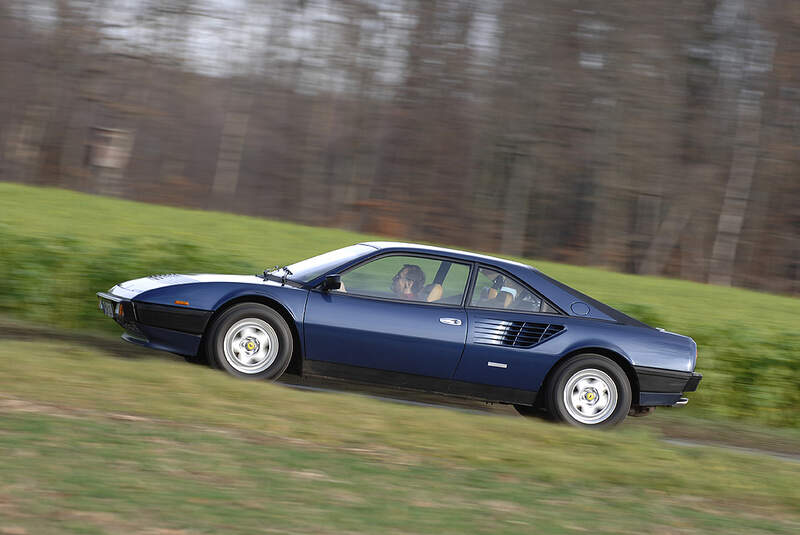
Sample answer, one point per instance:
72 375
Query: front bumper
120 310
659 387
174 329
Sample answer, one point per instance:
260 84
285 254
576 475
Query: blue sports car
418 317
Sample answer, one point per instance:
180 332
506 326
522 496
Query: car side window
408 278
497 290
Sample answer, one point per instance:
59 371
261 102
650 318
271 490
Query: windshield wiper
286 273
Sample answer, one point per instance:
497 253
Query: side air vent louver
513 333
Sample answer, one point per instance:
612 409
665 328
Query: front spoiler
165 340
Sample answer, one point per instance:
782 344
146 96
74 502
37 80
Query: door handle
450 321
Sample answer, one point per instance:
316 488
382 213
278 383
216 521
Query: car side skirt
494 394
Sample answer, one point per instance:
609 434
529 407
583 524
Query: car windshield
311 268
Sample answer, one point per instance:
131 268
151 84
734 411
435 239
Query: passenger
408 282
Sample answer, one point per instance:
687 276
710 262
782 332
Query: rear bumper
659 387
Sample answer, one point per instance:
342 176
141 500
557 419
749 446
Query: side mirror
332 282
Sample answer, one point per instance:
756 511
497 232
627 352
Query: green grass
96 444
60 247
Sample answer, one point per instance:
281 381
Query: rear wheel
251 341
589 390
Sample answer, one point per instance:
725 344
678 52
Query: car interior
447 284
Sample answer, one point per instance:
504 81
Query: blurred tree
649 137
744 56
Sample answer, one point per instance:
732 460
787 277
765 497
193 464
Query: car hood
132 288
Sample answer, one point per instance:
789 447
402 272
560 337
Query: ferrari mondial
417 317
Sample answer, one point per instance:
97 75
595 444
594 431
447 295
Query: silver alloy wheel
250 345
590 396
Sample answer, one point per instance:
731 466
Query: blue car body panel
452 348
387 335
213 295
513 367
206 293
528 367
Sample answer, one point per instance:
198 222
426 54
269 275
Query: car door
372 322
513 334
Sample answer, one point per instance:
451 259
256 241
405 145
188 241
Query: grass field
99 444
121 440
60 247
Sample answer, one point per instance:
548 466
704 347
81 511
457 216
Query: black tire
263 321
580 412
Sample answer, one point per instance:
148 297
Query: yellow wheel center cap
250 346
590 396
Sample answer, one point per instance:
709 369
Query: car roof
456 253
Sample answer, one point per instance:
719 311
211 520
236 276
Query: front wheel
589 390
250 341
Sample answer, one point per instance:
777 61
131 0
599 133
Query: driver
408 282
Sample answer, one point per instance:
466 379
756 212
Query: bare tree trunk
745 56
604 183
692 265
671 229
24 145
63 60
314 186
669 232
515 205
737 192
231 147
